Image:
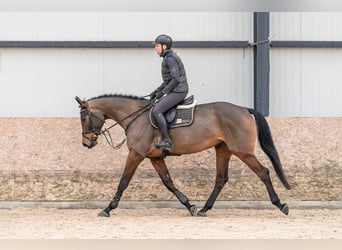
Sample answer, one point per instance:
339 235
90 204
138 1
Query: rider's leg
162 125
163 105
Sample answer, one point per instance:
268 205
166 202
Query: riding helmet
164 39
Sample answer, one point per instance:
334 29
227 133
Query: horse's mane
118 96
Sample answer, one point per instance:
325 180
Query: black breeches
167 102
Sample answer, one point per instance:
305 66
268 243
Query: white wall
43 82
301 26
306 81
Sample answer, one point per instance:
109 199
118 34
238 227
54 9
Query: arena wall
42 159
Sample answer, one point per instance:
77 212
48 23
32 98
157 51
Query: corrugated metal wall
306 81
44 82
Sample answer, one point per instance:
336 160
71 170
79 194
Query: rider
172 91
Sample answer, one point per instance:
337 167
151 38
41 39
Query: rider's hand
153 95
159 94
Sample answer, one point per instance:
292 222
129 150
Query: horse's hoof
103 214
201 214
193 210
285 209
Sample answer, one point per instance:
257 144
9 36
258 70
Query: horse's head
91 121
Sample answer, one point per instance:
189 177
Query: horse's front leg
132 162
160 167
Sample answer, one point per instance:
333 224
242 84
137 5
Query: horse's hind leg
222 160
263 174
160 167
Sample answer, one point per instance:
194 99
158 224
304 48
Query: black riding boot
166 142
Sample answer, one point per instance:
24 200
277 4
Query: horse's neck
117 108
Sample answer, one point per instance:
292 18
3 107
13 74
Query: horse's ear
79 100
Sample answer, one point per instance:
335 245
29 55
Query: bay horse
230 129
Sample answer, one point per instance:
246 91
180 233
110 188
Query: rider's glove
153 95
159 94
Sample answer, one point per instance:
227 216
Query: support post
261 62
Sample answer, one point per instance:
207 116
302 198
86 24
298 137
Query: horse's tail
267 145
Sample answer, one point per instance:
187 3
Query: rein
105 132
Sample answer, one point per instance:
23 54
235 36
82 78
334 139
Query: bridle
90 114
105 132
96 132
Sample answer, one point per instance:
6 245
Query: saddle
179 116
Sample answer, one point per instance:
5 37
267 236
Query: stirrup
165 144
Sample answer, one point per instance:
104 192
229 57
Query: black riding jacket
173 73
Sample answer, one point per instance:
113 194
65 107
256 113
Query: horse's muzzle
89 145
89 142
